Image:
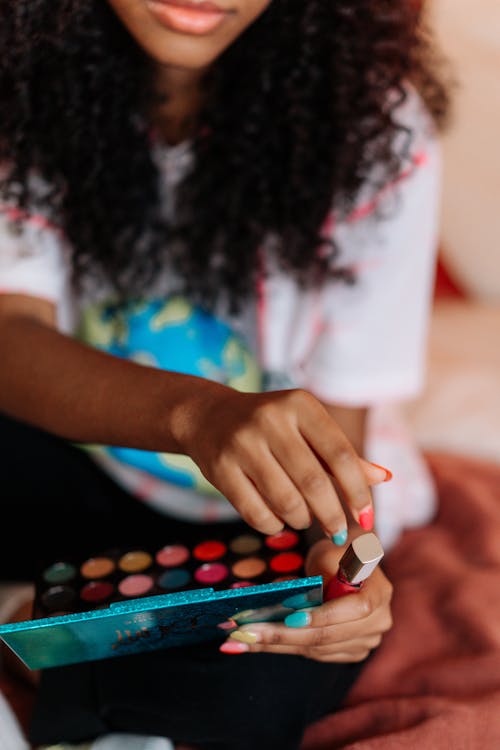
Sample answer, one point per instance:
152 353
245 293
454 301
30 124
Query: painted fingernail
245 636
227 625
234 647
366 518
340 538
298 619
388 474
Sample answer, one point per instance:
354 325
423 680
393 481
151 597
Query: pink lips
187 17
203 6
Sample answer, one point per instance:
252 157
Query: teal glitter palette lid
127 601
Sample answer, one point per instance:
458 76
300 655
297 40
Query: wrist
191 402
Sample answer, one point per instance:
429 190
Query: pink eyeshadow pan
172 556
211 573
135 585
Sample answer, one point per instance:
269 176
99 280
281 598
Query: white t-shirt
356 345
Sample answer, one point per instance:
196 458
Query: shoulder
418 147
417 140
409 109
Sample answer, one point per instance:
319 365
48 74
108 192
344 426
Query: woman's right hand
274 455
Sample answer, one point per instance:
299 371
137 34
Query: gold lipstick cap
361 558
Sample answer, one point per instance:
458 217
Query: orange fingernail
388 474
366 518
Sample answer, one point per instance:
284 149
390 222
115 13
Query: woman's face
187 33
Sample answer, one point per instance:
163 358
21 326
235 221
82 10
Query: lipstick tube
356 564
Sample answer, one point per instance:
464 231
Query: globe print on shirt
174 335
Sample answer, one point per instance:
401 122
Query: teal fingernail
340 538
298 619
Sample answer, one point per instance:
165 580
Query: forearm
84 395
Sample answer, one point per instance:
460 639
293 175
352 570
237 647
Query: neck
181 97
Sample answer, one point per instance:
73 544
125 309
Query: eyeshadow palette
127 600
121 574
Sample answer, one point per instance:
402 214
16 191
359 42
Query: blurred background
460 409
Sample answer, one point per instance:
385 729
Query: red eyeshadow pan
209 550
286 562
282 540
96 591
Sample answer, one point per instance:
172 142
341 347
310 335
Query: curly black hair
300 108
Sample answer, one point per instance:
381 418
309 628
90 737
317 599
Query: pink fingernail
228 625
234 647
366 518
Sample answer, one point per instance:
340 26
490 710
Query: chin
186 54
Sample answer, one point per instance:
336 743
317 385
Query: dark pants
56 501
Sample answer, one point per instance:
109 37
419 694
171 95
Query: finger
333 447
244 496
313 484
280 493
348 650
375 596
374 473
305 636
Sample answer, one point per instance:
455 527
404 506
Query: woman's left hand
341 630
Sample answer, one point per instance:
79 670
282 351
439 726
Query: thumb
323 559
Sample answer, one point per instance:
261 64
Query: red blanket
435 681
434 684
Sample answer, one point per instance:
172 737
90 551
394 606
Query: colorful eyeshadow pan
211 550
174 579
283 540
96 591
211 573
172 555
58 597
286 562
97 567
59 572
245 544
249 567
135 562
135 585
